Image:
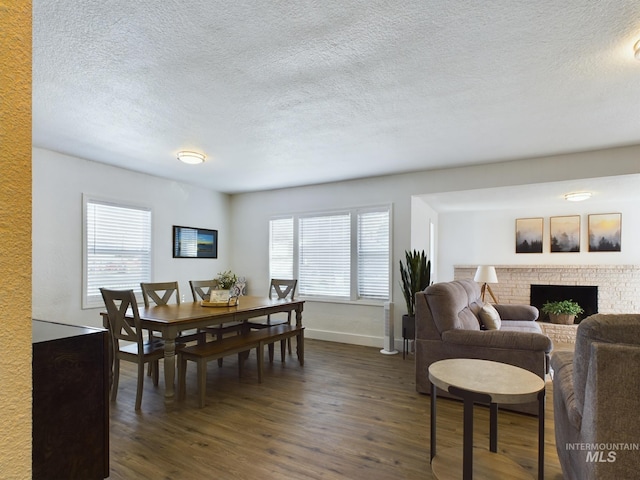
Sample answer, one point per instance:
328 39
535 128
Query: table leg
299 316
493 427
300 342
468 399
169 368
541 401
433 421
467 442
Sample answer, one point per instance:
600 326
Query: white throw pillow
490 317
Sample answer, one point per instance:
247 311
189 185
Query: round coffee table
483 381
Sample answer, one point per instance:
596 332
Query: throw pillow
490 317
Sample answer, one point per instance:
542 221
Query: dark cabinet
70 402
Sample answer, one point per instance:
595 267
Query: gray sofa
596 400
448 326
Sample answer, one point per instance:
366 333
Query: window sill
340 301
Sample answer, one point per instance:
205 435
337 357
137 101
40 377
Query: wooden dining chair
201 290
160 292
279 289
129 331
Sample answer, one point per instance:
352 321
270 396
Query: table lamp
486 274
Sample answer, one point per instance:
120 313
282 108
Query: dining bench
240 344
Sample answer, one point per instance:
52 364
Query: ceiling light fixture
577 196
636 50
192 158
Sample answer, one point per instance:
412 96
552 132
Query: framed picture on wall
605 232
529 235
565 233
194 242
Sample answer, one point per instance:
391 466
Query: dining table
171 319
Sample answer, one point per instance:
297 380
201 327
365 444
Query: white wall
423 220
58 184
488 237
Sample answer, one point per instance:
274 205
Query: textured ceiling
284 93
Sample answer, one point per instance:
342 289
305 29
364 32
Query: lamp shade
486 274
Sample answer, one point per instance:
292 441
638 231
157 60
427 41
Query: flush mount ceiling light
577 196
192 158
636 50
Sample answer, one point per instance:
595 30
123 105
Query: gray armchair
448 326
596 400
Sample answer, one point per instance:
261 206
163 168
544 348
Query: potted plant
226 287
415 277
226 280
562 311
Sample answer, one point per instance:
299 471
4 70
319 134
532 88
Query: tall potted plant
415 277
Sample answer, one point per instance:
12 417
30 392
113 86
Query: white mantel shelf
618 285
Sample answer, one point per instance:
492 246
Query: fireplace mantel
618 285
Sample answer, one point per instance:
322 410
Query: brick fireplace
618 285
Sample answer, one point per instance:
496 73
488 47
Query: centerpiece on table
227 291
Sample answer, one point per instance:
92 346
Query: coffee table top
504 383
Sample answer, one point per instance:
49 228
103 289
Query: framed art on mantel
529 235
605 232
565 233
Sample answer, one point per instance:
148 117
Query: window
373 255
117 248
324 255
340 255
281 248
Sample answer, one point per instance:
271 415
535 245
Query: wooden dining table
172 319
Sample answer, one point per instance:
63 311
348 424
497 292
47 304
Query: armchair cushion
517 312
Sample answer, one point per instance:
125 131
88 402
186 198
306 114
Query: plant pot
562 318
408 327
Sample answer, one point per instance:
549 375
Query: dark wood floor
349 413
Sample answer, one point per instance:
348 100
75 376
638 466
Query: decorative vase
562 318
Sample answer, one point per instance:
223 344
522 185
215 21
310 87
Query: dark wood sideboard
70 402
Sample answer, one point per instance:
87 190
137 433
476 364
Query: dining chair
201 290
129 331
279 289
153 291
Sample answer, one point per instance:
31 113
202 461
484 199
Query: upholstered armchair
596 400
451 322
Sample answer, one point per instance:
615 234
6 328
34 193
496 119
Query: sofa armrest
517 312
499 339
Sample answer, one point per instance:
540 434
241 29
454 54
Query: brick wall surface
618 285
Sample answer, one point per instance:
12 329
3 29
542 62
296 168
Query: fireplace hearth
586 296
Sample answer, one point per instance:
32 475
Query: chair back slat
282 288
160 292
121 327
201 289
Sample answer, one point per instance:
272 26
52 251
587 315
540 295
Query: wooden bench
240 344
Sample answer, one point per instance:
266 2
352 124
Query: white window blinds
373 255
117 249
324 256
281 248
343 255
